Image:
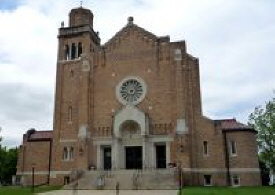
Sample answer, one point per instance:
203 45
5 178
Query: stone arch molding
130 113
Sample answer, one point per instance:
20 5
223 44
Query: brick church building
133 103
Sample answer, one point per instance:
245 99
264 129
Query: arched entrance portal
129 143
132 144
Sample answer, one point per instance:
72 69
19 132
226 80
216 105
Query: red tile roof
233 125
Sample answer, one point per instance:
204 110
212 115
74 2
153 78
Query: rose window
131 90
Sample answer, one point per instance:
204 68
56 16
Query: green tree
8 162
2 157
263 121
0 137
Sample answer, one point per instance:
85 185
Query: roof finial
81 3
131 20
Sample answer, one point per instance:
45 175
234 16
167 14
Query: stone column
152 151
167 153
144 155
99 157
115 154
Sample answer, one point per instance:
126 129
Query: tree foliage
263 120
8 162
0 137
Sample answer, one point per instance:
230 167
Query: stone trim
222 170
130 113
102 142
243 170
44 173
161 139
193 170
67 140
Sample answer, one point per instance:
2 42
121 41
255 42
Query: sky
234 41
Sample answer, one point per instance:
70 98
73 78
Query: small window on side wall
66 180
65 154
71 153
205 148
68 153
207 180
233 148
235 180
70 114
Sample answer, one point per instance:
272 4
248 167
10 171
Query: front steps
149 179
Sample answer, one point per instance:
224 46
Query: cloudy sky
234 40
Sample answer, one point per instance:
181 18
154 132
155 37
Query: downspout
50 162
227 164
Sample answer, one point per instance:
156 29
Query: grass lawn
229 191
24 191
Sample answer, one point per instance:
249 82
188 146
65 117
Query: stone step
145 179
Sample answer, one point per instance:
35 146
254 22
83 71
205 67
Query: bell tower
77 44
79 37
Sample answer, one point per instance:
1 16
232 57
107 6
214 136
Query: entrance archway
130 130
132 144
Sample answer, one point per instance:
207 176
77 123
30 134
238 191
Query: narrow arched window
79 49
71 153
65 153
205 148
67 52
70 114
233 148
73 54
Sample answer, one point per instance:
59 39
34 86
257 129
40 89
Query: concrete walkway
111 192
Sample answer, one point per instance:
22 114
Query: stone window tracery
131 90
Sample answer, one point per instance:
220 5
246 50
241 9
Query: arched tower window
73 54
79 49
67 52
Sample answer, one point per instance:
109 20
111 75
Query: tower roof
81 16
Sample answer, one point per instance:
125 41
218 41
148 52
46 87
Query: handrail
135 179
101 181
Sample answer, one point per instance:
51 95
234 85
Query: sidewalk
111 192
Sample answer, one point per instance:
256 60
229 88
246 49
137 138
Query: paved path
112 192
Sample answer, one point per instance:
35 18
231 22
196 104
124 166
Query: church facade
133 103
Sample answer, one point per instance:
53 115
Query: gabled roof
233 125
130 26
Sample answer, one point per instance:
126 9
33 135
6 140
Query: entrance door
133 157
161 156
107 158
